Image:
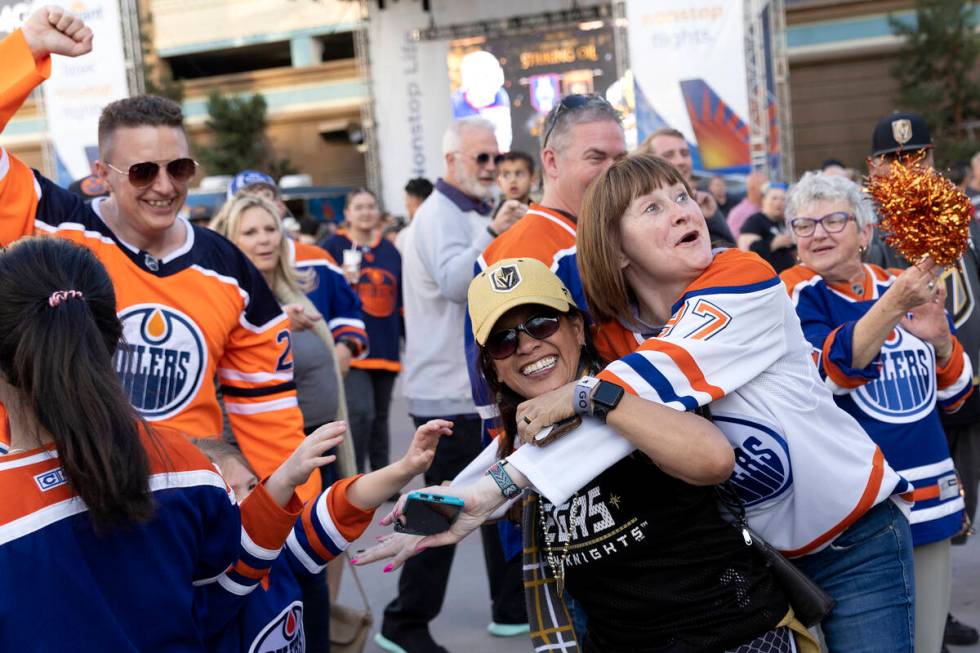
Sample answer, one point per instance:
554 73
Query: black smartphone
428 514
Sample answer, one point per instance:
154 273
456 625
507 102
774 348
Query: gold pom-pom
922 213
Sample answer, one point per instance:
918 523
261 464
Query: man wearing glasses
450 229
191 304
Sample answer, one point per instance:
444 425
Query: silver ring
527 420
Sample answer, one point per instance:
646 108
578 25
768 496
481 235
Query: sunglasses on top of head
502 344
568 103
145 173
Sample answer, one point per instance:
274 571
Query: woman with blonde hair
253 223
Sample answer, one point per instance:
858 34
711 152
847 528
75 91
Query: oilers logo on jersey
762 465
905 391
284 634
161 360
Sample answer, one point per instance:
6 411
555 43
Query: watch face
608 394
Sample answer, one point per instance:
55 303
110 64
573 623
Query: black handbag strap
357 581
726 492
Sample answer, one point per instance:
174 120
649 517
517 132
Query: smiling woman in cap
642 548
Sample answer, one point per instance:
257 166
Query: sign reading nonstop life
78 88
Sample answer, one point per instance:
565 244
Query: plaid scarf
551 623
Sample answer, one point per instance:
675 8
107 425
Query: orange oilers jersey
202 312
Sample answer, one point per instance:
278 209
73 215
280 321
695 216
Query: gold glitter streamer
922 212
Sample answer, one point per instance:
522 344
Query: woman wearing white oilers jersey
642 548
810 478
884 346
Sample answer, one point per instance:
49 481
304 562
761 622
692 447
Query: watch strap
503 480
582 399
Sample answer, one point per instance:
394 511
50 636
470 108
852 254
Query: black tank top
657 569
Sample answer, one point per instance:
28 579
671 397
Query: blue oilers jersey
379 288
267 616
69 588
897 397
331 295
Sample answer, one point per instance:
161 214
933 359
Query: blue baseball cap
247 178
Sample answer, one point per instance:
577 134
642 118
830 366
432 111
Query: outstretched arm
371 490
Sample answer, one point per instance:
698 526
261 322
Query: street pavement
461 626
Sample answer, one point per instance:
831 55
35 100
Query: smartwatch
605 398
595 397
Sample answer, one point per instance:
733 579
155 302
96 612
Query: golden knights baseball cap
906 132
510 283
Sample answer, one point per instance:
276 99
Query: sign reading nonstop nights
699 85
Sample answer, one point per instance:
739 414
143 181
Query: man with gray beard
450 230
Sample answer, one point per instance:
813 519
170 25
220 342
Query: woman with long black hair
107 525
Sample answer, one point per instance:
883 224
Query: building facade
300 55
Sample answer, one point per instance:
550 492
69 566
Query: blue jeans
868 571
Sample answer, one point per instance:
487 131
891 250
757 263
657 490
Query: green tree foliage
937 72
237 128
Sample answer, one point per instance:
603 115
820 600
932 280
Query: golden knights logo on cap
902 130
505 278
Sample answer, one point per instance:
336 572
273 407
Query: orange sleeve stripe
377 364
833 371
350 520
265 522
310 532
948 375
348 329
924 493
249 572
685 363
606 375
864 505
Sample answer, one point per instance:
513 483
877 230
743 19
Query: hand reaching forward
307 457
422 450
479 502
52 30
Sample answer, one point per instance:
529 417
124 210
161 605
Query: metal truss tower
369 145
767 72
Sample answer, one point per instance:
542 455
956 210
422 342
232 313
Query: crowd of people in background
611 360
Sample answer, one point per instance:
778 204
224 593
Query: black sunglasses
503 344
483 158
568 103
145 173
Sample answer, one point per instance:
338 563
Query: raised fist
52 30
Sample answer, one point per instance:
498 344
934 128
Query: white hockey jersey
805 470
